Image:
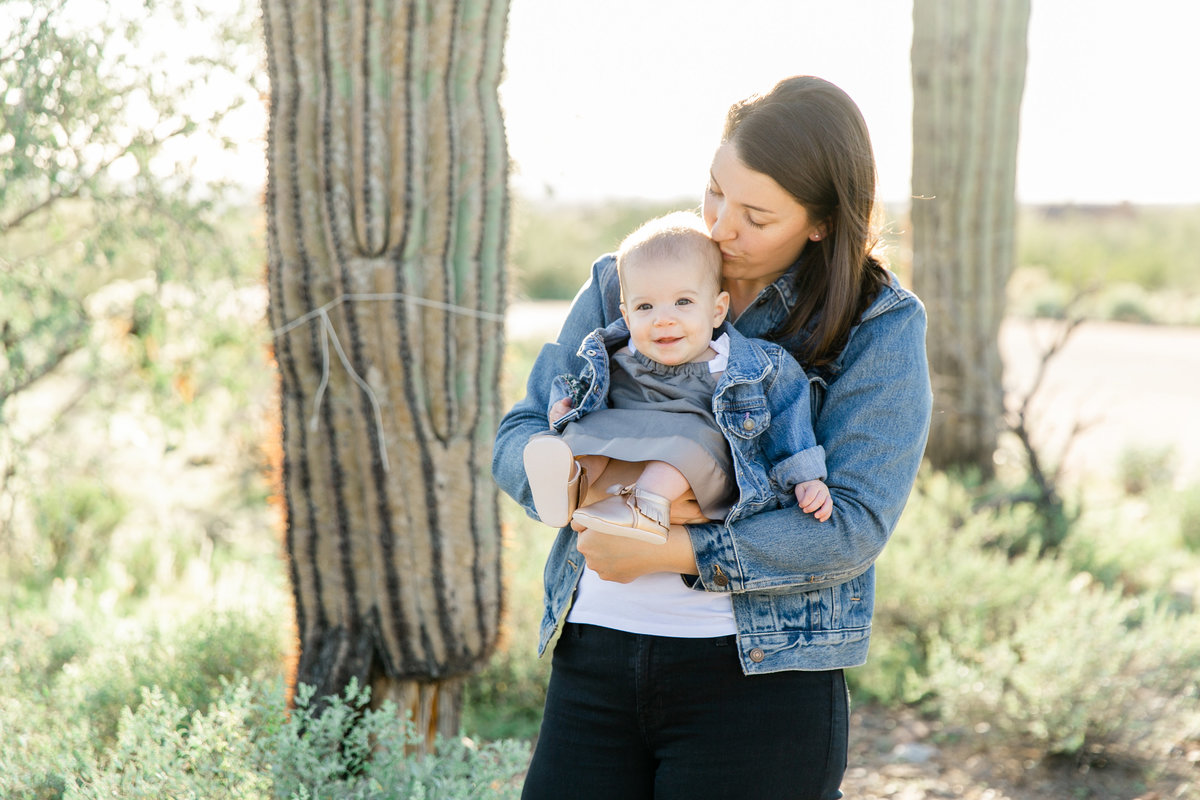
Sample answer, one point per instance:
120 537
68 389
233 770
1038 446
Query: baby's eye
642 307
683 301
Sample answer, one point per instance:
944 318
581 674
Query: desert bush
1151 247
1189 518
351 751
506 697
1031 648
1126 302
75 521
1032 292
249 745
1142 467
187 661
1073 668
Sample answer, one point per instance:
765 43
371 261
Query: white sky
626 97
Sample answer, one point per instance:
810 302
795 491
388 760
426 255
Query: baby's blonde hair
678 235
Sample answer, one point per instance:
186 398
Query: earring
816 237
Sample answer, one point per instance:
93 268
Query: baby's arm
559 410
814 498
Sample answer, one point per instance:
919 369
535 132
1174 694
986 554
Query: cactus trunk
968 71
387 219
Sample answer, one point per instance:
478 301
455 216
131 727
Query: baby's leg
593 467
663 479
641 510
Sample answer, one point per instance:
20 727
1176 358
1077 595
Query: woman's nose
721 230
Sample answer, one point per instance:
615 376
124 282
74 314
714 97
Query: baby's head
678 236
671 298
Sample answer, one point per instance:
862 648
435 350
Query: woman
749 695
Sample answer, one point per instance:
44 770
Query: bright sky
626 97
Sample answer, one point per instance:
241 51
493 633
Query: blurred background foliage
146 619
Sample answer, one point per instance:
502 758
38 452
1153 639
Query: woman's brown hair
811 138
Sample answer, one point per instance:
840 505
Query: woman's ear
820 232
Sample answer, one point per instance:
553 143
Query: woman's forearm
616 558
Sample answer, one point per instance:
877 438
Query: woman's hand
618 559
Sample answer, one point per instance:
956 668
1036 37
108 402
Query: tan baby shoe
555 478
631 512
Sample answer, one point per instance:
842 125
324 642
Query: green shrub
76 520
187 662
351 751
1030 648
249 745
1143 467
1033 293
1126 302
506 698
1189 519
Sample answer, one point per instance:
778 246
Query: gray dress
662 413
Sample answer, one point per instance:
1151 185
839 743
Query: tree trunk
968 72
387 218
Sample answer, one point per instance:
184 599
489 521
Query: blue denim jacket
803 591
760 403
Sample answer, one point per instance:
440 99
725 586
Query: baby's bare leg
593 466
663 479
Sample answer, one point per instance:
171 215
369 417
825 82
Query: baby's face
671 309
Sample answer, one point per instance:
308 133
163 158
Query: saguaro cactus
387 218
968 72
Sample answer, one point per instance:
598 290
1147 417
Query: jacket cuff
807 465
715 558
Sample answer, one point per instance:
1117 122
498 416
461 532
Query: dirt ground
1129 386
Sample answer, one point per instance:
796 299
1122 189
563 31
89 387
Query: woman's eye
712 190
755 224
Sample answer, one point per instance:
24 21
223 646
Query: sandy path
1130 385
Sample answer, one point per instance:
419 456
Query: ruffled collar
717 364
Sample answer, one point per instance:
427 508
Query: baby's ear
624 314
720 309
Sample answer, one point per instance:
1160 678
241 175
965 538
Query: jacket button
591 352
748 424
720 579
757 655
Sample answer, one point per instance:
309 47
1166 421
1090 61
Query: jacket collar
748 361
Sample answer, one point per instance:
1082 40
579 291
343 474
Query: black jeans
631 716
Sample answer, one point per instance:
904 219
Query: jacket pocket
844 608
745 420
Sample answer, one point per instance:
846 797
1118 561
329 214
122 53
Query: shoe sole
604 526
549 464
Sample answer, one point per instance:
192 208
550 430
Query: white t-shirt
659 604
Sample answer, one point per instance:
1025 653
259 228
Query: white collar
720 345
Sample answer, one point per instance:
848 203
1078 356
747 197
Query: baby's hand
560 409
814 498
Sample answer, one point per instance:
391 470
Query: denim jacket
803 591
760 403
